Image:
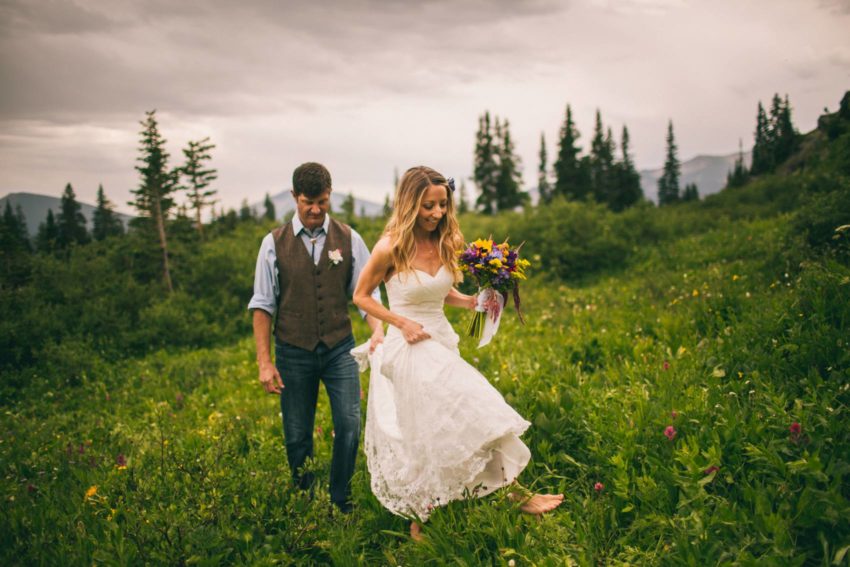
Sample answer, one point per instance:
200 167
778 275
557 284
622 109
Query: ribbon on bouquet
491 303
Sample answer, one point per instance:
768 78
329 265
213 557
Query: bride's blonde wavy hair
408 199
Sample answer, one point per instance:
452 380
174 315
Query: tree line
604 174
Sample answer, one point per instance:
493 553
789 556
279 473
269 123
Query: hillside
708 172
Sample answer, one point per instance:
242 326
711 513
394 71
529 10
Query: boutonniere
335 257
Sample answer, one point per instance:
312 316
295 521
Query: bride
436 430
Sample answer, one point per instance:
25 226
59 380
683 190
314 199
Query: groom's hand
270 378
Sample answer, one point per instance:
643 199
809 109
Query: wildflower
121 462
711 469
598 487
674 414
670 432
795 430
735 277
695 293
666 365
81 449
91 491
31 488
511 563
179 398
319 430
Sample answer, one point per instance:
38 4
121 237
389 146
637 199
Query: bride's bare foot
536 504
416 531
541 503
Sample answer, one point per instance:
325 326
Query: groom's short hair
311 179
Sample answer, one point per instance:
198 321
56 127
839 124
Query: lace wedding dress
436 430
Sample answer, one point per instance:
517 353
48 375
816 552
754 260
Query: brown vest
313 303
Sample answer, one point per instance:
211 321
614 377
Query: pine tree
388 206
105 222
544 187
157 183
509 194
601 162
786 137
570 171
739 175
485 168
269 213
245 211
348 215
668 184
70 222
625 179
762 152
463 204
690 193
15 260
15 236
199 178
48 234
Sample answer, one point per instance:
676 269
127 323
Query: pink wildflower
598 487
711 469
120 460
319 430
670 432
666 365
674 414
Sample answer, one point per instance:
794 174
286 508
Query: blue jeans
301 371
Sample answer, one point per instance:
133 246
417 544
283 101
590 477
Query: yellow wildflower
91 491
496 262
483 244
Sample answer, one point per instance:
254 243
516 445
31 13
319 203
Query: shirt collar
298 226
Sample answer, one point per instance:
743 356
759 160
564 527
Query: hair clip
451 183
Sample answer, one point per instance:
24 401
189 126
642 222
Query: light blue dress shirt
266 280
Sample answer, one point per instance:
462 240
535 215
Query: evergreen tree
509 194
601 162
625 179
15 260
48 234
157 183
199 178
544 187
70 222
690 192
15 236
105 222
668 184
570 171
348 215
269 213
485 167
388 206
463 204
246 212
786 139
739 175
762 152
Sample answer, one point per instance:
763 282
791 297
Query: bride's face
434 205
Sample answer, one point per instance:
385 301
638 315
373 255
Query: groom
306 271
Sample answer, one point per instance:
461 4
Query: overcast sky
368 86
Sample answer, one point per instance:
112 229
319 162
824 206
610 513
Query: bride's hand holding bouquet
497 270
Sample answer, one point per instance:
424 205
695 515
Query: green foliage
70 222
728 332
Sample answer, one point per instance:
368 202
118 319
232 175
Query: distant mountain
708 172
35 209
283 203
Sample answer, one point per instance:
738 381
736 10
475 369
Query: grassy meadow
686 370
690 400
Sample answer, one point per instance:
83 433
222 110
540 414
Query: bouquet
497 270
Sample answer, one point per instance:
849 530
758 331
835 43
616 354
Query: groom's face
312 210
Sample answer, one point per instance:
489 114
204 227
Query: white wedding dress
436 430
